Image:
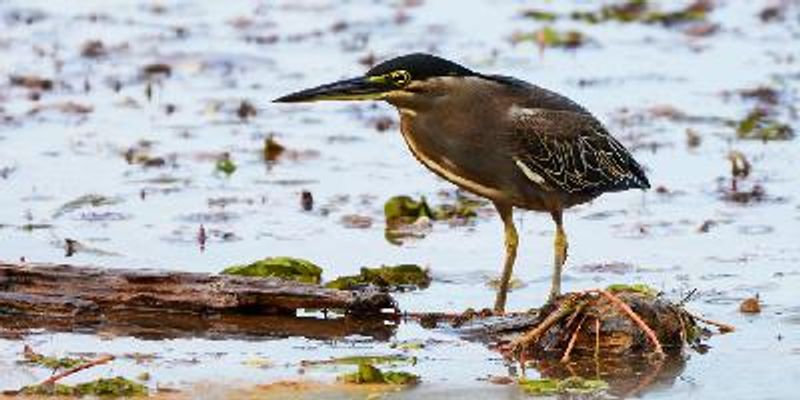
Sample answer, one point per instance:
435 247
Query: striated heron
517 144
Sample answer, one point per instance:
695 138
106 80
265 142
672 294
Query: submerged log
67 296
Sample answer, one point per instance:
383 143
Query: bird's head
403 80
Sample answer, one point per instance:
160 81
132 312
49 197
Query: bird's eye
400 78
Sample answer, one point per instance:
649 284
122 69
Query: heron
514 143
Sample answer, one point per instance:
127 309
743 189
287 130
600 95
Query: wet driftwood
171 303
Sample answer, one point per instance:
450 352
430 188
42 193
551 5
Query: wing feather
572 152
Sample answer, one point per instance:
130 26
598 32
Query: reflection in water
144 325
627 377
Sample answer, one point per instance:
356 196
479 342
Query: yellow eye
400 78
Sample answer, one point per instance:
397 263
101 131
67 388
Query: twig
723 327
101 360
572 340
687 297
642 325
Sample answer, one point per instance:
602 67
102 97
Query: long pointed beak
361 88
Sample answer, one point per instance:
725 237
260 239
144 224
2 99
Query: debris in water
272 149
288 268
750 305
31 82
158 69
306 200
693 139
94 49
740 167
355 221
246 110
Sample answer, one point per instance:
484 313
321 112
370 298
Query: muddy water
73 140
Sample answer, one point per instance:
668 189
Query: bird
514 143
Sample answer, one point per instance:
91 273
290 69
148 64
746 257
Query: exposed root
522 343
635 317
723 327
627 320
596 339
55 378
565 357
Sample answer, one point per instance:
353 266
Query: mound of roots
618 321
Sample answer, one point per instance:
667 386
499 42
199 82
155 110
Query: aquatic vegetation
293 269
644 11
54 363
392 277
759 124
631 11
392 359
225 165
570 386
406 210
103 387
540 15
550 37
369 374
640 288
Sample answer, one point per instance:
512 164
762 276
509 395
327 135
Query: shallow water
52 157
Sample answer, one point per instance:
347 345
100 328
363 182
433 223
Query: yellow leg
512 240
560 246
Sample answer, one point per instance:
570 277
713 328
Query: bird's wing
571 152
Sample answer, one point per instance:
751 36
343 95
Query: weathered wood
70 296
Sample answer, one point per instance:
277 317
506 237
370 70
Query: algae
400 210
369 374
225 165
288 268
643 11
760 125
391 277
404 209
569 386
550 37
103 387
640 288
358 360
54 363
